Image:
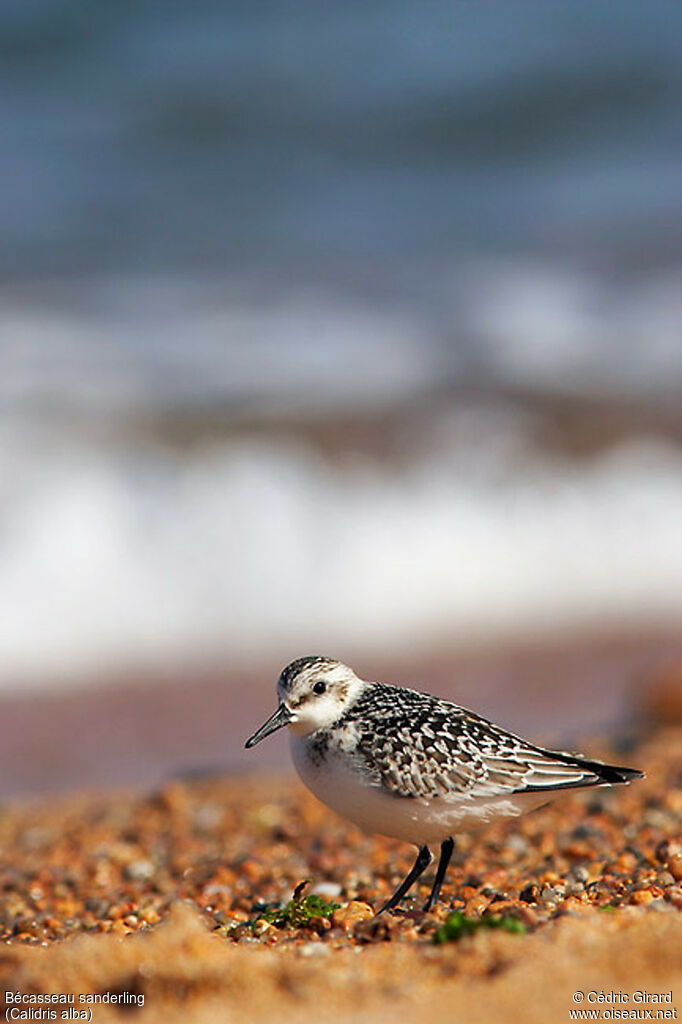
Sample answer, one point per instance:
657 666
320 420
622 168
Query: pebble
476 905
149 915
320 925
330 890
347 917
215 845
316 949
28 926
661 906
139 870
376 929
675 866
640 897
530 894
575 888
674 894
263 929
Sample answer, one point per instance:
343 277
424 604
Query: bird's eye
319 687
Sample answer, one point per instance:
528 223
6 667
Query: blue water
367 142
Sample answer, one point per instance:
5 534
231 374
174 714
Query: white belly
414 819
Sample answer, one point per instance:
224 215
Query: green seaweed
298 911
458 925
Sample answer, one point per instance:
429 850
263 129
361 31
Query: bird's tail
605 773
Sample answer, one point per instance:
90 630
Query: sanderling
409 765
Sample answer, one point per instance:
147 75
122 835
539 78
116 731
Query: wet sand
140 729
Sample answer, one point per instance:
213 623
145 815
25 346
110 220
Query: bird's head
313 693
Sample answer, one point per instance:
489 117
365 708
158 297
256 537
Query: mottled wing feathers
557 770
416 745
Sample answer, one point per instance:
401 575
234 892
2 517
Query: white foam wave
162 344
139 557
123 552
550 327
108 345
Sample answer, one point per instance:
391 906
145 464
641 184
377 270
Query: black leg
420 865
446 849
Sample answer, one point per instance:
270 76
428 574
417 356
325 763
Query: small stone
674 894
518 845
28 926
263 928
330 890
98 907
318 924
655 818
641 897
315 949
217 890
138 870
207 817
378 929
531 894
675 866
35 838
238 916
476 905
149 915
673 800
574 888
268 815
252 870
625 863
347 917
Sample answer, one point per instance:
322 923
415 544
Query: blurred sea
339 327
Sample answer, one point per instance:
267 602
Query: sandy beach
163 899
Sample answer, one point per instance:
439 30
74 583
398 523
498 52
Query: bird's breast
339 780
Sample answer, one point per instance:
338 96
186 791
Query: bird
407 764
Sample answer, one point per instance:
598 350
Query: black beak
281 717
